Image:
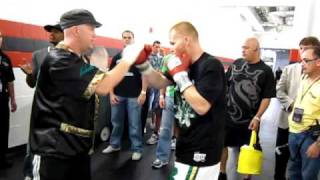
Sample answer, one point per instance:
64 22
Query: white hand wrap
131 52
182 80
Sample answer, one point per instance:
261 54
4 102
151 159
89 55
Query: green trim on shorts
174 172
192 173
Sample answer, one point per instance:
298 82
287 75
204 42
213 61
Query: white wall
20 120
218 21
314 24
219 27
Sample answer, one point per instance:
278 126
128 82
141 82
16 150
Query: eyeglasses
303 47
305 60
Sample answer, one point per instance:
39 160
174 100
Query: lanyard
303 94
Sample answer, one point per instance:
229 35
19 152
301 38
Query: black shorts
52 168
237 136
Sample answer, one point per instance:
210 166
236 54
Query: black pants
52 168
282 154
27 166
4 127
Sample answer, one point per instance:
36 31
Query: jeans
300 166
154 99
134 123
164 142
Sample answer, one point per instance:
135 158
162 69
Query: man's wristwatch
143 92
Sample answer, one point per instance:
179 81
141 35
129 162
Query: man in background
127 98
6 95
251 85
156 61
55 36
32 71
287 89
304 121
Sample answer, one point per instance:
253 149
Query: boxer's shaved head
185 28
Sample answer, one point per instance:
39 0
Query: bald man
63 110
199 100
251 85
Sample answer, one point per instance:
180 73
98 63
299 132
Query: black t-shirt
60 98
200 139
248 84
6 74
131 84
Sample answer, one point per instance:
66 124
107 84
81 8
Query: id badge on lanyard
297 115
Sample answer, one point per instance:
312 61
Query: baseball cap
49 27
77 17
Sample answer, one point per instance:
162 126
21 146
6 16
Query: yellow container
250 160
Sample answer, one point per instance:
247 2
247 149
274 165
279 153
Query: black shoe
5 164
222 176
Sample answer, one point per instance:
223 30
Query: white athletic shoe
173 144
110 149
152 140
136 156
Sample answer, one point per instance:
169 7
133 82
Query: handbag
250 158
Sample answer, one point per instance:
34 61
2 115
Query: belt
75 130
